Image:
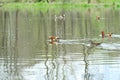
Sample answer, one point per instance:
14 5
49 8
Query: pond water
26 54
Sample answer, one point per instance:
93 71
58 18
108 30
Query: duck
98 17
106 35
60 17
54 38
109 34
94 43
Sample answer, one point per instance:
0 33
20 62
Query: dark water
25 52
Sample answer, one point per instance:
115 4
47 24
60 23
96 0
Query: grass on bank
55 6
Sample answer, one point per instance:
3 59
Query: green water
25 52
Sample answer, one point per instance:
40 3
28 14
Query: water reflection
27 54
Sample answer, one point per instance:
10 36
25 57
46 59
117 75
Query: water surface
25 52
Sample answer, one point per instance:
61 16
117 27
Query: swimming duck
109 34
60 17
106 35
54 38
94 43
98 17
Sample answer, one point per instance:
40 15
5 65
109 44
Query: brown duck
94 43
106 35
54 38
